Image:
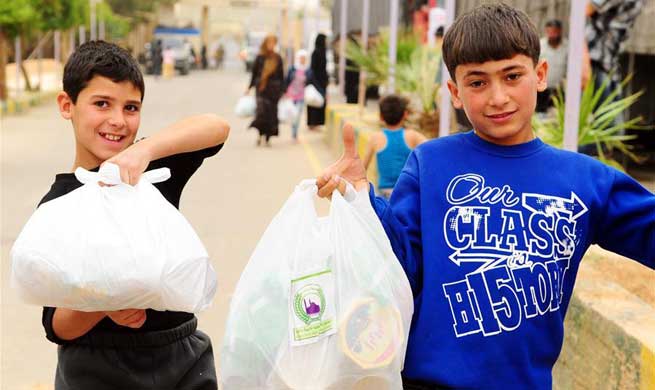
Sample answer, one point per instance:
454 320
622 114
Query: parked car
181 51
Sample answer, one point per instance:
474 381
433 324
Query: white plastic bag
323 303
286 110
246 106
110 248
313 98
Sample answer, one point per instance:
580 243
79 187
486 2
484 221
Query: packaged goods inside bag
323 303
112 247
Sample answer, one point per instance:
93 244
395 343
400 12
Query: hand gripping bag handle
109 173
307 184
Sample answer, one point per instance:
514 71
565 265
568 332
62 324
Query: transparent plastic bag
286 110
246 106
101 248
313 97
323 303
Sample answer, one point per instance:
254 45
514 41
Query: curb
22 104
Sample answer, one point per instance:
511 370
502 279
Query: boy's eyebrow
505 69
512 67
105 97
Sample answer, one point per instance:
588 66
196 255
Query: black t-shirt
182 166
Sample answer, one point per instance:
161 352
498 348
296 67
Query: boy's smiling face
105 118
499 97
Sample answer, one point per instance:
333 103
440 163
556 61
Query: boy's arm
187 135
628 224
370 151
401 221
70 324
402 226
417 138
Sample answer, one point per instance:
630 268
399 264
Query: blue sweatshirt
491 238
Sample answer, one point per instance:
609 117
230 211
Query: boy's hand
132 162
349 167
132 318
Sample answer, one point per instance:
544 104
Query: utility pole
445 105
393 44
92 20
574 76
361 98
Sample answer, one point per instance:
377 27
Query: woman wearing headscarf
319 79
268 79
295 90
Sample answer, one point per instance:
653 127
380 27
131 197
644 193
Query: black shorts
174 359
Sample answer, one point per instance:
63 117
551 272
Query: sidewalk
50 86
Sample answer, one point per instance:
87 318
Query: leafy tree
117 26
16 16
136 10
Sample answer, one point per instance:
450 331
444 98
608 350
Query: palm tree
599 125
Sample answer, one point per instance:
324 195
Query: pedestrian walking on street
491 225
352 75
203 56
318 77
132 348
157 58
554 50
169 63
267 79
295 88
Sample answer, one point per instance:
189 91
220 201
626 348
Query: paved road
229 201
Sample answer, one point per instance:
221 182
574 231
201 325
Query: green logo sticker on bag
312 307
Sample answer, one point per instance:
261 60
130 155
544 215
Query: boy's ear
65 104
542 75
454 93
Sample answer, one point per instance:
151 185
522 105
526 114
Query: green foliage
23 17
597 123
117 26
61 14
418 76
376 61
136 10
416 70
16 16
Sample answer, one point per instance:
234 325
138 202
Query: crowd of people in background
270 86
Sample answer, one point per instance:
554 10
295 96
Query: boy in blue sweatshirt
491 225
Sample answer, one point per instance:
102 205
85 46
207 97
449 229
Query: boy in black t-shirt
133 348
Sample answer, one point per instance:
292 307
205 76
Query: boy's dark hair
392 109
554 23
489 32
100 58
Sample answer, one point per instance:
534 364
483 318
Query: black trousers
410 384
173 359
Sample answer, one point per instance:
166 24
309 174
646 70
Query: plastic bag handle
308 184
351 193
109 173
157 175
